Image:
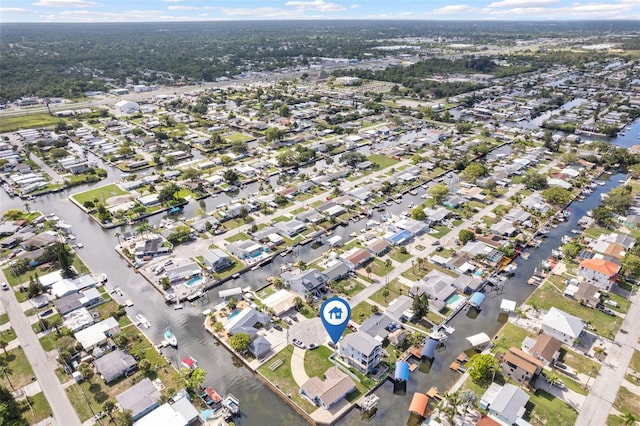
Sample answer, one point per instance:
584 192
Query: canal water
258 404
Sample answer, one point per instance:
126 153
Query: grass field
11 124
317 362
101 193
382 161
21 372
509 336
361 312
41 409
395 289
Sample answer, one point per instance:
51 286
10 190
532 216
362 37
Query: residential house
563 326
153 246
378 247
245 322
599 272
183 272
259 346
520 366
326 393
400 308
357 257
546 349
290 228
140 399
307 283
378 326
337 270
114 365
361 351
505 403
438 286
217 259
98 333
245 249
587 294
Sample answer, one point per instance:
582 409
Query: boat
175 210
170 298
511 267
79 245
103 278
413 192
170 338
190 363
210 396
450 330
142 321
524 255
232 404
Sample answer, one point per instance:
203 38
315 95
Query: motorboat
170 338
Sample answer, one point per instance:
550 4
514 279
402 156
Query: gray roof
114 364
337 271
259 346
139 398
68 303
360 341
376 325
397 307
510 402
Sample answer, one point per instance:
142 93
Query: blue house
336 313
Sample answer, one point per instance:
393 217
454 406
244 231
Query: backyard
101 193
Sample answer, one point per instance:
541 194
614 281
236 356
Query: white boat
103 278
450 330
524 255
170 338
231 403
142 321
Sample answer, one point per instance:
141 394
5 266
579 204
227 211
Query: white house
599 272
562 326
126 107
361 351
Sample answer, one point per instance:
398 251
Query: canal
258 404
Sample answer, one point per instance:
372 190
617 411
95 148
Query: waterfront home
259 346
587 294
308 283
378 326
98 333
520 366
400 308
378 247
599 272
216 259
140 399
290 228
505 403
563 326
326 393
151 246
357 258
361 351
179 412
76 300
438 286
544 348
416 227
245 249
280 302
337 270
183 272
114 365
245 321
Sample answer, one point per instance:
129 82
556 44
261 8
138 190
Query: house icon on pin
335 313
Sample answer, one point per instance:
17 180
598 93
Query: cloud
14 10
173 1
454 9
259 12
64 3
317 5
521 3
185 7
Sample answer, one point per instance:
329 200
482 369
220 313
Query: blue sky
203 10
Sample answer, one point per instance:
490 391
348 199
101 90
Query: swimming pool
194 281
454 300
478 273
234 313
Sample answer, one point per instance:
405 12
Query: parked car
607 311
299 344
4 286
312 346
287 320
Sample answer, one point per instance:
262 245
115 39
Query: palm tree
600 352
628 418
6 372
117 235
108 407
3 345
553 379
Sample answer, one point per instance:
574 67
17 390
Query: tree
385 293
3 346
86 371
273 134
6 372
533 180
553 379
193 378
465 235
420 305
10 410
124 418
571 249
473 172
352 158
439 192
491 185
368 271
482 367
418 213
230 176
239 147
628 418
240 342
557 196
145 366
375 309
168 193
109 407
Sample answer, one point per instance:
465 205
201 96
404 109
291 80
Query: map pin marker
335 314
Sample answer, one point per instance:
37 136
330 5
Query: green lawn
382 161
627 402
379 268
579 363
351 287
21 372
101 193
11 124
41 409
317 362
4 318
48 342
283 378
398 256
508 337
240 236
238 137
635 361
361 312
237 266
548 295
395 288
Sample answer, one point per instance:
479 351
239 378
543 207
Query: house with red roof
599 272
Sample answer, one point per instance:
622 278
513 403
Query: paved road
603 393
43 368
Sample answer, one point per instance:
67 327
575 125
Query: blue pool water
194 281
478 273
234 313
258 254
454 300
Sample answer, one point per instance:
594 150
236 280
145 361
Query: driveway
308 331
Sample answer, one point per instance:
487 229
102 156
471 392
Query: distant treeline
68 59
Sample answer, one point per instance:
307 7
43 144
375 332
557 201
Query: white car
4 286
